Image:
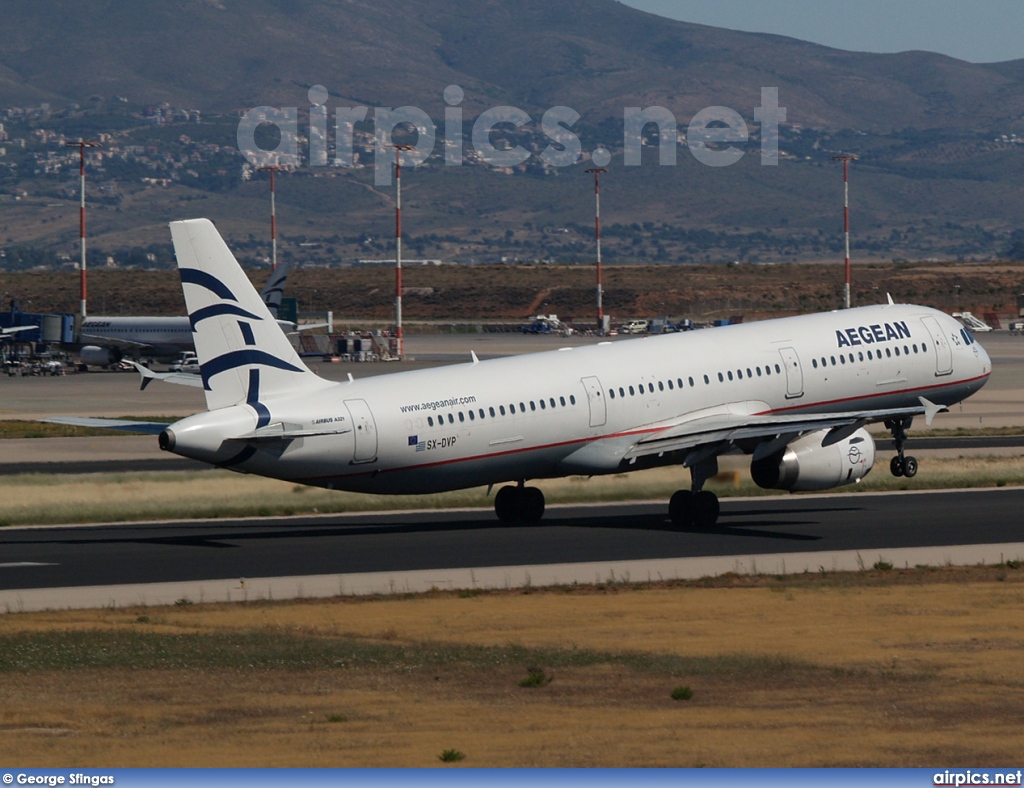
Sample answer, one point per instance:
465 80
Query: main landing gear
696 508
901 465
519 504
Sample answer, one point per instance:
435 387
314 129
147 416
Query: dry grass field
28 499
877 668
515 292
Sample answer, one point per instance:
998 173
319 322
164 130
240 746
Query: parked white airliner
794 393
103 341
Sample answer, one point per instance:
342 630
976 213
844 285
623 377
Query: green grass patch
280 650
20 428
682 693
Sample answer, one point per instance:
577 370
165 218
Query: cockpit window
968 337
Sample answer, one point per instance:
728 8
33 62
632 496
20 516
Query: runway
452 549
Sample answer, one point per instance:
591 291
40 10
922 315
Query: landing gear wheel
896 467
505 504
531 504
679 508
909 467
519 504
704 509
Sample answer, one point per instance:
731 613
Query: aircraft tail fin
244 356
273 290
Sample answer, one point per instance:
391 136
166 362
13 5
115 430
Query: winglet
475 359
931 410
891 302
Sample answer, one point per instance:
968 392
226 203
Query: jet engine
805 464
94 356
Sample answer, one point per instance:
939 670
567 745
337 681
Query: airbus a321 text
795 394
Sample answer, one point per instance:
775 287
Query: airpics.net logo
712 135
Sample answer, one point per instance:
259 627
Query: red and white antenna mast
398 245
273 216
597 232
82 145
846 159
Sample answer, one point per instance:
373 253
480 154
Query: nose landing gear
901 465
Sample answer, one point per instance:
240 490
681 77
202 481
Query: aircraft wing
121 425
127 344
725 425
17 330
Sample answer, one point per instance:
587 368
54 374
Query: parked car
634 327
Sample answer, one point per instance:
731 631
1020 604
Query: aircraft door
595 396
365 430
794 373
943 352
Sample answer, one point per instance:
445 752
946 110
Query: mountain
938 174
594 55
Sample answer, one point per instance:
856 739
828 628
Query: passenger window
721 378
814 363
631 391
860 356
511 408
611 393
888 353
430 421
681 382
482 413
707 381
650 388
730 374
492 412
661 386
451 419
671 386
562 400
833 361
739 374
897 351
542 405
572 399
622 392
924 348
552 401
502 410
522 407
472 416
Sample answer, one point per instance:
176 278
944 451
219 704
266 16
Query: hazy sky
983 31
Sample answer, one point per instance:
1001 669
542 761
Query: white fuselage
162 336
578 410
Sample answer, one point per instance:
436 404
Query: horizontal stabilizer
121 425
181 378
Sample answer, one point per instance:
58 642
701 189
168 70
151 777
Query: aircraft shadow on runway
228 535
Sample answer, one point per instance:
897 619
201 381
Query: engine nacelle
94 356
807 465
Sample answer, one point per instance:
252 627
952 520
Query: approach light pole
82 145
597 232
273 215
846 159
398 244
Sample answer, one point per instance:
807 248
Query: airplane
103 341
795 394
